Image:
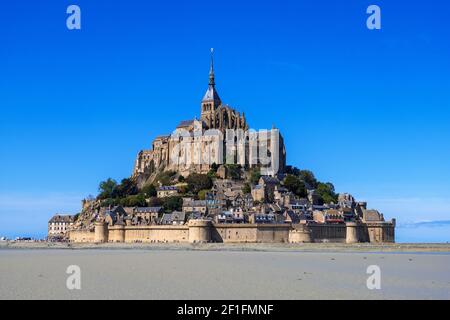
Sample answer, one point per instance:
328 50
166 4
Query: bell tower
211 100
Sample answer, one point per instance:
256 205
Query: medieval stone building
221 135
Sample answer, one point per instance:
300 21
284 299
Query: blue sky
366 110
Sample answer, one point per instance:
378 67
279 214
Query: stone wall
379 232
241 233
151 234
206 231
374 232
326 233
234 233
81 236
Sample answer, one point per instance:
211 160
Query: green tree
155 202
212 174
110 202
107 188
234 171
183 189
326 193
202 194
197 182
214 167
292 170
255 175
134 201
149 190
246 189
165 177
295 185
213 171
127 187
308 177
173 204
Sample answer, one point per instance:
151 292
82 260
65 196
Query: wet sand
223 272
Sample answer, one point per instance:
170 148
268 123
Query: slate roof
62 219
147 209
211 94
372 215
169 218
162 137
185 123
268 179
167 188
195 203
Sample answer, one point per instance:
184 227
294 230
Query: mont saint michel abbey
237 189
198 143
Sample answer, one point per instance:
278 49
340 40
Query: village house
224 217
59 225
166 191
298 205
280 193
348 214
214 204
262 218
146 215
191 205
194 216
292 217
328 216
174 218
346 200
264 190
113 216
313 197
231 216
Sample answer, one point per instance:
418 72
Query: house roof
195 203
372 215
268 179
185 123
167 188
62 219
168 218
162 137
147 209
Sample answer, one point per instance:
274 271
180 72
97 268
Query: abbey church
197 144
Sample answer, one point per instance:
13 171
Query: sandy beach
218 271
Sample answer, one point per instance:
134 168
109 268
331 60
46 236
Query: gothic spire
211 93
211 70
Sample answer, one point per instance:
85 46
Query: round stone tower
300 236
100 232
199 231
117 233
351 232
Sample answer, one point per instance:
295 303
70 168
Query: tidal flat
224 272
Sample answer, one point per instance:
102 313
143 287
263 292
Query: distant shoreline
259 247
